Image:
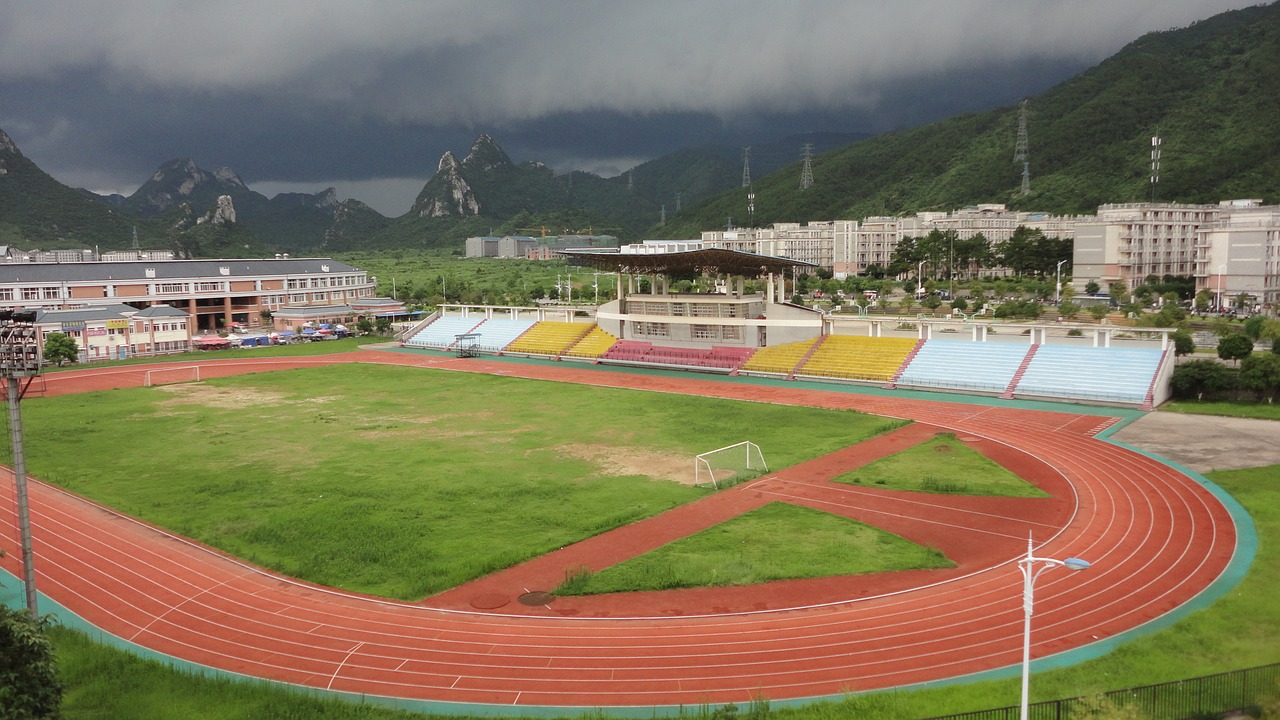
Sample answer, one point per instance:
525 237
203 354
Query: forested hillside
1211 91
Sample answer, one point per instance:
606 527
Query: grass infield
774 542
941 465
401 482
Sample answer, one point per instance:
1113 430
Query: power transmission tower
746 167
1156 142
663 221
806 173
1020 150
631 181
678 201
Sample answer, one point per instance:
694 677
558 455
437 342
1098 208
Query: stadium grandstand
731 331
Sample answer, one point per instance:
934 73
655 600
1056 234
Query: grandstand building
738 332
214 293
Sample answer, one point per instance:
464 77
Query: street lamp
1221 269
1029 574
1057 287
920 278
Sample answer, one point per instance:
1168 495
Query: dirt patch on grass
223 397
620 461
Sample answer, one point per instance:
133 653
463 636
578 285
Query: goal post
169 376
729 465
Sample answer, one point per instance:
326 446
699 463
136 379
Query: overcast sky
366 95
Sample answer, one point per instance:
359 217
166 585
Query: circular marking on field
491 601
536 598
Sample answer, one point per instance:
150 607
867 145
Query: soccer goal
169 376
729 465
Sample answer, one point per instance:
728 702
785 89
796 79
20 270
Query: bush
29 684
1019 309
1195 378
1235 347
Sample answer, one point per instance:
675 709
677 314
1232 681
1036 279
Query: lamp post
920 278
20 358
1057 287
1030 572
1221 269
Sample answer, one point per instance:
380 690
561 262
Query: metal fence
1206 696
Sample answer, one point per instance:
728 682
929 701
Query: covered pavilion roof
710 261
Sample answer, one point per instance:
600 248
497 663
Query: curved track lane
1156 538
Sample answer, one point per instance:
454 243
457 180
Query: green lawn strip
1257 411
941 465
774 542
401 482
324 347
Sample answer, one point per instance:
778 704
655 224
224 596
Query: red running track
1156 538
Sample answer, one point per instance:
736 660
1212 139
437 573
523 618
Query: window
171 288
30 293
208 287
6 293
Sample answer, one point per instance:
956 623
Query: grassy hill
1211 91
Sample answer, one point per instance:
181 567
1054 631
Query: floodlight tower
746 167
1020 150
806 173
19 359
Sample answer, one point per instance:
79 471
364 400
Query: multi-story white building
1231 248
849 247
1238 256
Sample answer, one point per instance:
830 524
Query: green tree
1204 299
29 684
1068 309
1198 377
932 302
60 348
1183 344
1236 346
1254 326
1119 293
1261 373
364 326
959 304
1098 311
1091 288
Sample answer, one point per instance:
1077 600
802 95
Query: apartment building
1231 248
849 247
117 332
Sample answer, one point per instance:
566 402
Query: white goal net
168 376
729 465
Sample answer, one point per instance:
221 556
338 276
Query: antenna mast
806 174
746 167
1020 150
1156 142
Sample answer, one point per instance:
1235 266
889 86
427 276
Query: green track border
1242 557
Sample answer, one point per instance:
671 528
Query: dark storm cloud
326 92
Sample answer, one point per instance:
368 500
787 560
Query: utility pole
806 172
1020 150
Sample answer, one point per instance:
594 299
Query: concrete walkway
1205 442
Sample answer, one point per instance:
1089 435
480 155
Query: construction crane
541 228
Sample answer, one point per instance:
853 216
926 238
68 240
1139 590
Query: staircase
893 381
1017 375
1149 402
814 348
